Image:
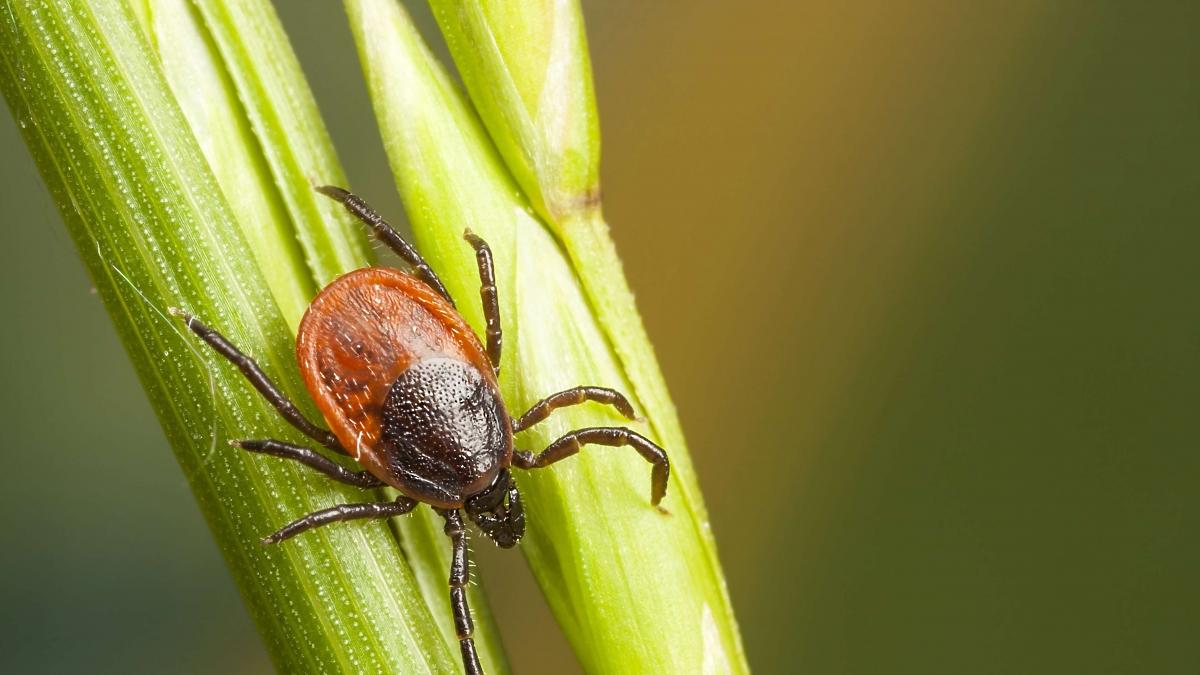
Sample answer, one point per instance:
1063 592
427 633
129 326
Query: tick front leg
343 512
574 396
260 381
613 436
389 236
460 577
489 297
313 460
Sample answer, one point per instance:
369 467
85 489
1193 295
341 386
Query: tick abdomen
366 333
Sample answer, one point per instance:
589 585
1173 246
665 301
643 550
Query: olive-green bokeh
923 278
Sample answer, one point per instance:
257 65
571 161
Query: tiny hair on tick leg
401 378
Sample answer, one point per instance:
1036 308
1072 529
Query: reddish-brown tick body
405 386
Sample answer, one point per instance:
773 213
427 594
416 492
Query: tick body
405 386
410 393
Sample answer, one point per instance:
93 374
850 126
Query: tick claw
334 192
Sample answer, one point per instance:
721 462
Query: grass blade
209 100
292 138
527 69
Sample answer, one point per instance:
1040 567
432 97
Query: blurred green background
923 279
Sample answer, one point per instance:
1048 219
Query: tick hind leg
460 577
340 513
389 236
613 436
260 381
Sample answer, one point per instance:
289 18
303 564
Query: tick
409 392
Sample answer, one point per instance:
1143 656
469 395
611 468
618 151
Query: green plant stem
210 102
618 574
255 81
154 229
289 130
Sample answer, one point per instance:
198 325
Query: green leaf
206 94
204 202
526 66
636 591
290 133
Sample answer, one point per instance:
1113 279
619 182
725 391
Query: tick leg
460 577
384 232
615 436
487 293
261 382
341 512
362 479
542 409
